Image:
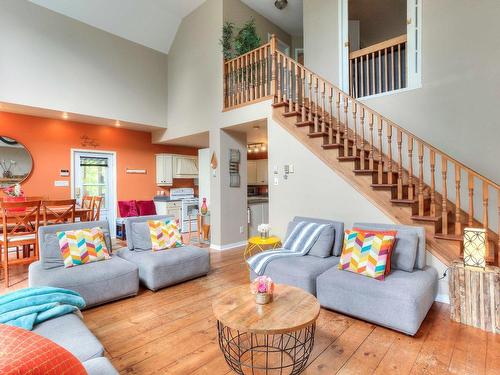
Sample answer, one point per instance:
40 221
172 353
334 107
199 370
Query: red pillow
146 208
387 233
25 352
127 208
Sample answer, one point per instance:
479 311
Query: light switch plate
291 168
61 183
276 181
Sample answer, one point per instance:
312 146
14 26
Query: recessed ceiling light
117 123
65 115
281 4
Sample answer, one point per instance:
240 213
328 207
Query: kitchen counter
165 198
257 199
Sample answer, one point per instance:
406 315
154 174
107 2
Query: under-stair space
407 178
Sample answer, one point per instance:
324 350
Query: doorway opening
94 174
380 46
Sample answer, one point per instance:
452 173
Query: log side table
276 338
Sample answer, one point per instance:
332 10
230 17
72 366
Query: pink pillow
146 208
128 208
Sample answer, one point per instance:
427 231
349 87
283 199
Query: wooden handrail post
337 105
433 182
274 67
371 156
362 131
420 179
380 152
458 224
354 109
444 210
400 165
471 199
411 187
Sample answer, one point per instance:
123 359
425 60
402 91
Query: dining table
80 213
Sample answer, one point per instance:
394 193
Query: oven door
189 212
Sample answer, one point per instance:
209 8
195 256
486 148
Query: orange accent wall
50 142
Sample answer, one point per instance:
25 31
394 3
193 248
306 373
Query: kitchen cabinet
257 172
252 172
258 213
185 166
164 175
171 208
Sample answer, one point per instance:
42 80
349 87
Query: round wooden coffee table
276 338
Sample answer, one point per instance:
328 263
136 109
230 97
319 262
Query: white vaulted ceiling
289 19
152 23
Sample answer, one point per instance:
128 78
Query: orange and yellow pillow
82 246
386 232
366 253
164 234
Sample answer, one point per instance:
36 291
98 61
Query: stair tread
317 134
304 123
365 171
434 219
280 104
291 114
404 201
329 146
449 237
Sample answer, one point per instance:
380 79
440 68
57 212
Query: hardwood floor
173 332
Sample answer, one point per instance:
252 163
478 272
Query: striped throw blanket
298 243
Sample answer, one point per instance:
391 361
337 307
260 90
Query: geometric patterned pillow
387 232
164 234
366 253
82 246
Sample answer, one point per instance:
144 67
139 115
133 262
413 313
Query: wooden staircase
408 179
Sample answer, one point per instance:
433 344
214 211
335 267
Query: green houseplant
227 40
247 39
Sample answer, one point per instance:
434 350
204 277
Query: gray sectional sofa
400 302
159 269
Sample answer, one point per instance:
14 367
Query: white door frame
112 209
343 44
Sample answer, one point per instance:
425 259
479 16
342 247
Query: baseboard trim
229 246
443 298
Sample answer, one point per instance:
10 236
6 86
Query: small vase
263 298
204 208
264 235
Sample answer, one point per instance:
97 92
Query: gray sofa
401 301
97 282
159 269
70 332
303 271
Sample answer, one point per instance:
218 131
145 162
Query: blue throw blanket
26 307
298 243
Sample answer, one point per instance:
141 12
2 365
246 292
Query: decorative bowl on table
263 288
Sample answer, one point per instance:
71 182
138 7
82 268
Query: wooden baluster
371 159
471 199
261 65
356 80
485 205
399 66
351 92
374 89
323 106
316 105
386 69
297 88
247 78
346 126
225 89
411 188
303 76
400 165
432 161
291 92
240 79
251 79
380 152
389 154
420 179
368 74
362 67
458 221
379 72
311 105
265 69
444 204
337 105
279 78
354 109
284 83
362 137
234 89
330 112
393 73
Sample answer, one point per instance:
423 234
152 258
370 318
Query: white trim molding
229 246
443 298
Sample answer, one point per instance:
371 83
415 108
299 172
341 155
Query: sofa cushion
163 268
50 252
323 246
140 237
70 332
97 282
401 302
300 271
409 250
165 234
128 208
99 366
82 246
146 208
130 221
324 239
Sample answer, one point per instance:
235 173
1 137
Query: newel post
274 68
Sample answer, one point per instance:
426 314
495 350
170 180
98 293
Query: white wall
315 190
204 175
51 61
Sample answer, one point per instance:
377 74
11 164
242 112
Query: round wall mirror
15 162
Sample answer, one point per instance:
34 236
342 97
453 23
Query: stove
190 207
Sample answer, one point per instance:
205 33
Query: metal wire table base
273 354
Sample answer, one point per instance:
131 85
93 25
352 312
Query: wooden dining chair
58 211
96 208
20 221
88 204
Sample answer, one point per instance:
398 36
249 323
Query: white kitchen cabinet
185 166
252 172
258 214
164 175
262 173
169 208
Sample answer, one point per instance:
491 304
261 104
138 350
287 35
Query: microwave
252 191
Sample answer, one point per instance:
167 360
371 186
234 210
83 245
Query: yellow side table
258 244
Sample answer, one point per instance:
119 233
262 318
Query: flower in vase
262 284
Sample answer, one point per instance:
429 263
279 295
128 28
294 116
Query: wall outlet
276 181
242 229
291 168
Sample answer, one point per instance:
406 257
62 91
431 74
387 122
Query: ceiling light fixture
281 4
256 147
65 115
117 123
